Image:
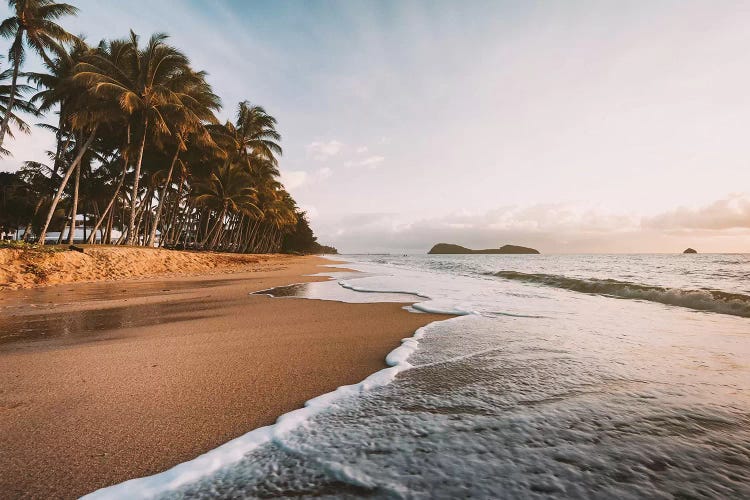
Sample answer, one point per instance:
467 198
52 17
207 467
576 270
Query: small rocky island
690 250
449 248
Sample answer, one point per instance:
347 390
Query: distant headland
449 248
690 250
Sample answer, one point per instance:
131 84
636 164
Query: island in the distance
449 248
690 250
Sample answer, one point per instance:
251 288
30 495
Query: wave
735 304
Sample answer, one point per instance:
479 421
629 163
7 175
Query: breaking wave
716 301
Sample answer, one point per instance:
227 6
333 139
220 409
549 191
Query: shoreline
200 363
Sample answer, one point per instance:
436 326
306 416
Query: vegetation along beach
374 249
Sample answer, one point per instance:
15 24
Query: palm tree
87 130
257 132
33 23
185 121
57 88
86 114
226 190
11 99
254 134
141 82
39 179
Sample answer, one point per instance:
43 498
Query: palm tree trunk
225 241
215 227
238 231
64 182
250 246
188 215
219 230
62 229
60 147
27 229
143 210
163 196
74 209
251 224
173 214
110 205
134 198
110 223
17 46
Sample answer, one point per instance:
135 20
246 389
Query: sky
569 126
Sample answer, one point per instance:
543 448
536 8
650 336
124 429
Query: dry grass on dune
29 267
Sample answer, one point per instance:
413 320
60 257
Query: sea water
591 376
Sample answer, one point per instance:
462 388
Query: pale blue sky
572 126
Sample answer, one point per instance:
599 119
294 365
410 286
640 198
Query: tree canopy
140 156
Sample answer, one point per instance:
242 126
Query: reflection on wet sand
87 325
19 301
70 314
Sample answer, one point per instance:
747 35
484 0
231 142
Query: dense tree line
139 151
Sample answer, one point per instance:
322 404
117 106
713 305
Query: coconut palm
56 89
186 122
226 190
87 115
11 99
257 132
141 81
33 24
254 134
38 177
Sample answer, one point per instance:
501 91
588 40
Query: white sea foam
362 289
231 452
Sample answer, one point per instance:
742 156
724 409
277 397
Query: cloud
731 212
324 150
292 179
363 149
370 162
552 228
310 210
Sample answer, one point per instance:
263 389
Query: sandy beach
55 264
103 382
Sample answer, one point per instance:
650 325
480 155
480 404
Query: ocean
578 376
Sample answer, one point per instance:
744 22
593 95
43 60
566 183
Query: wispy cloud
293 179
729 213
324 150
363 149
370 162
324 173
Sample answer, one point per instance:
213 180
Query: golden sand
136 377
24 268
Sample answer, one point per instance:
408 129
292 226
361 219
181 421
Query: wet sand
103 382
